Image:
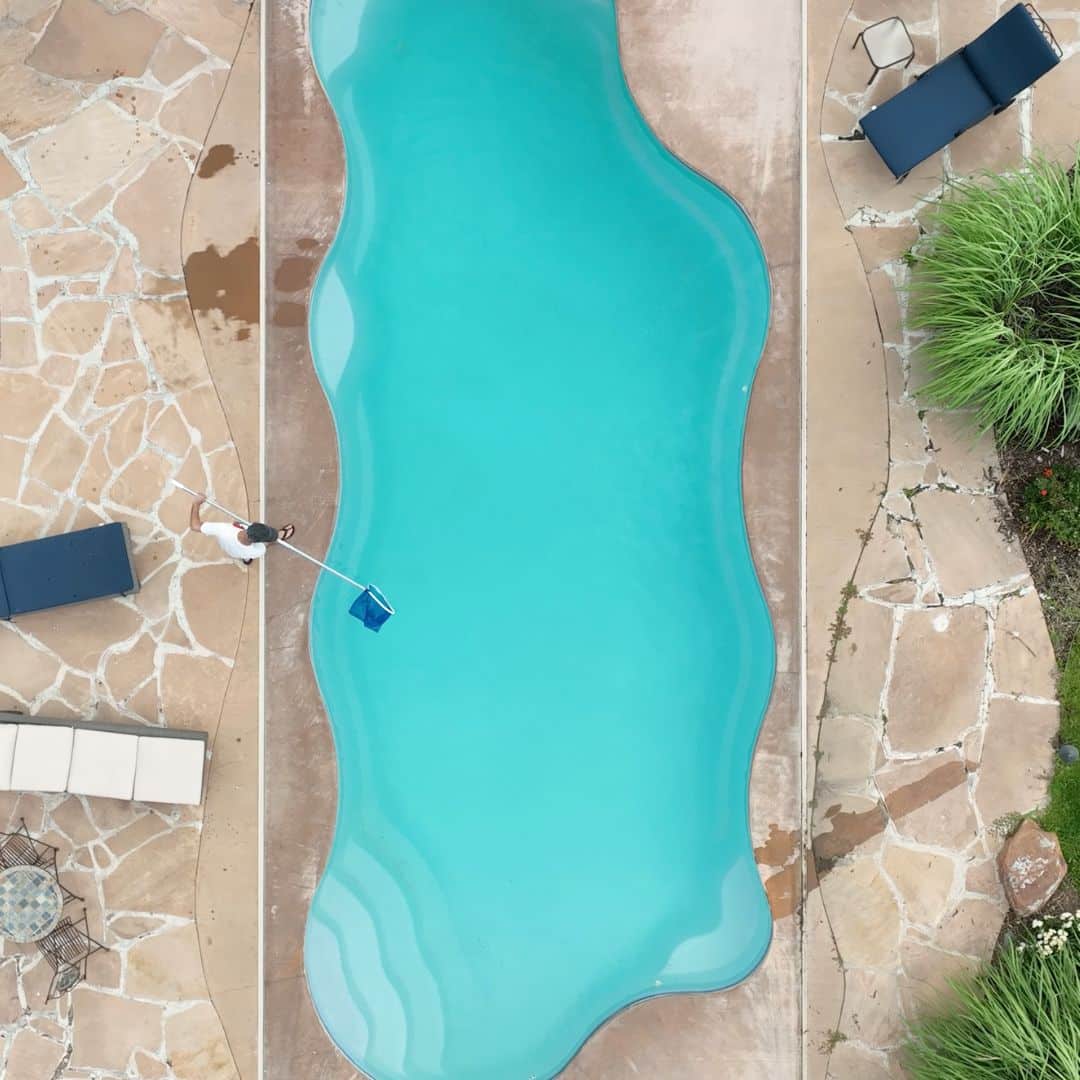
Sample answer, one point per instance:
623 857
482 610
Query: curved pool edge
612 1012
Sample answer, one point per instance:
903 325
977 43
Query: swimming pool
537 331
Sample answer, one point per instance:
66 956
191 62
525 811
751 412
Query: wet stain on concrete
850 828
217 158
933 785
294 272
228 283
308 243
778 848
290 314
782 890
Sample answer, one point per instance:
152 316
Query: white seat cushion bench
114 761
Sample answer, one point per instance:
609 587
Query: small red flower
1048 472
1043 492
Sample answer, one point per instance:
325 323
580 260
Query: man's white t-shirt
228 536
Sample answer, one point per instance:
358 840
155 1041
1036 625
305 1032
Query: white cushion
103 763
42 757
7 753
170 770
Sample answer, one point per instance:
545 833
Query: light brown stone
169 433
168 331
151 207
122 279
202 410
927 974
24 403
166 966
85 42
14 298
928 800
126 671
967 547
188 114
872 1007
69 254
1017 758
883 243
1031 867
10 180
119 345
174 57
971 928
29 102
125 434
1054 109
20 523
192 686
81 633
139 101
217 24
964 455
129 927
848 748
12 457
59 455
75 327
1023 659
32 1055
142 483
196 1045
858 673
149 1068
18 349
31 213
10 1007
100 138
924 880
108 1029
29 669
869 932
158 878
937 677
213 603
120 382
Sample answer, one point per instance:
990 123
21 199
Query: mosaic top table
30 903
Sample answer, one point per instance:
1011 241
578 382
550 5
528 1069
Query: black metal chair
19 848
887 43
66 948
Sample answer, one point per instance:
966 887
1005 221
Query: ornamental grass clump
996 283
1019 1017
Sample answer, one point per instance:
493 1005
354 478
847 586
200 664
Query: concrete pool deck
128 354
745 136
931 675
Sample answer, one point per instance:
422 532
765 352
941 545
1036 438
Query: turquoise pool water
537 330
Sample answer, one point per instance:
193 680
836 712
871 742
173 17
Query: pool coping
304 181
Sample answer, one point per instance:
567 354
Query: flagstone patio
932 674
120 209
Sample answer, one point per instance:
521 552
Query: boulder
1031 867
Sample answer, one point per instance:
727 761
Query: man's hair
258 533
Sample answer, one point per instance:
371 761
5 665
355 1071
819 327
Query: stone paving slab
938 709
105 392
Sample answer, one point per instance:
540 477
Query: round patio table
30 903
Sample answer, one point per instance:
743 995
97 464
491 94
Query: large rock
1032 867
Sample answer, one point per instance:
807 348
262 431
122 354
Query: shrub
1062 815
1052 504
997 285
1019 1017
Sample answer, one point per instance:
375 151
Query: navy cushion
67 569
927 115
5 611
1011 55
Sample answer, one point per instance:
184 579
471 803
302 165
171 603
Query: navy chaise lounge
86 565
976 81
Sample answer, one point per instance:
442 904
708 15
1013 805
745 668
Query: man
246 543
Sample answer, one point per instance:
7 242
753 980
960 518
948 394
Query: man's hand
195 522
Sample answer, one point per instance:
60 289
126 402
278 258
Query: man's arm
195 521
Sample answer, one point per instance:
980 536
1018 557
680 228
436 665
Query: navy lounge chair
978 80
66 569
